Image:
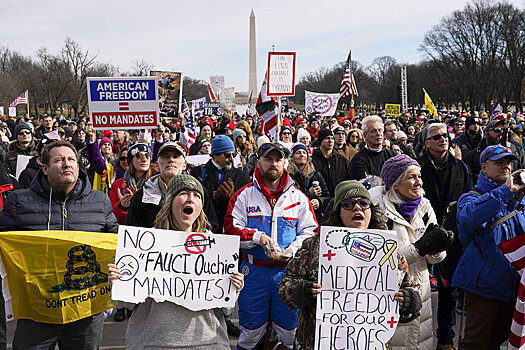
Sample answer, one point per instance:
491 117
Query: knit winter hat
183 182
394 167
471 120
135 148
237 133
324 133
21 126
104 140
302 133
221 144
297 146
349 189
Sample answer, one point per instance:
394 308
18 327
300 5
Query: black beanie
323 133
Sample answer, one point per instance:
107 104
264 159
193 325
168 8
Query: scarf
407 208
130 180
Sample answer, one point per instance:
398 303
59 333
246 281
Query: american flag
213 98
188 137
266 108
348 83
514 251
22 99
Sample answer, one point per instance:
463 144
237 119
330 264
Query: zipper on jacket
480 271
64 214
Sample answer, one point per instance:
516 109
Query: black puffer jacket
42 208
13 150
334 169
305 183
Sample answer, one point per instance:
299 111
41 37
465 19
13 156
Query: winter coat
41 207
13 150
305 183
416 334
466 143
29 173
483 270
443 185
367 162
347 151
147 202
333 169
208 177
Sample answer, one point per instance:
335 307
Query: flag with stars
188 137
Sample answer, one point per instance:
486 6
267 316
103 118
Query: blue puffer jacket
483 270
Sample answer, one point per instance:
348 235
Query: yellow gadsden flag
430 105
56 276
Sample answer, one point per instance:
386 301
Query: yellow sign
392 109
56 276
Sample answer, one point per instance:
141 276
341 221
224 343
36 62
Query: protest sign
198 159
198 104
21 164
392 109
281 74
56 276
1 110
211 108
217 82
358 275
188 269
284 105
123 102
320 103
12 111
227 99
170 91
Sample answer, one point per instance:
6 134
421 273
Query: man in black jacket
369 160
331 164
470 137
60 187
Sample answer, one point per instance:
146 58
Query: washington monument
252 83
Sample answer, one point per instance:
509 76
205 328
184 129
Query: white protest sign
21 164
1 110
198 159
12 111
227 99
320 103
188 269
358 276
123 102
281 74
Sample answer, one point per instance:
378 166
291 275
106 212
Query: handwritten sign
188 269
281 74
392 109
358 275
320 103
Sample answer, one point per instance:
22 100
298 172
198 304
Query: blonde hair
164 219
243 125
308 167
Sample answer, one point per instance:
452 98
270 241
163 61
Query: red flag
213 98
266 108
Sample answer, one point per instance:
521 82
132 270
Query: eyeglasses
142 155
123 159
287 133
349 204
497 130
228 155
24 132
437 137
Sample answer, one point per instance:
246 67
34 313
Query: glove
412 303
435 240
302 293
225 190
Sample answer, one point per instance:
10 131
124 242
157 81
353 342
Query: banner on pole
281 74
188 269
123 102
320 103
358 276
56 276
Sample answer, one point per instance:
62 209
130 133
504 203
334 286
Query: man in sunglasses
273 218
494 132
24 145
470 137
219 177
484 221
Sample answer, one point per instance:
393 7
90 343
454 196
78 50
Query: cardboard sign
12 111
358 275
227 99
188 269
392 109
281 74
320 103
71 285
123 102
170 91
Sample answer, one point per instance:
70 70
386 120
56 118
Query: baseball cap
493 123
268 147
174 146
496 152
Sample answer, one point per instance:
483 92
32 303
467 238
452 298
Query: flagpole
351 92
27 97
278 120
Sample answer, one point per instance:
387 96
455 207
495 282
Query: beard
271 175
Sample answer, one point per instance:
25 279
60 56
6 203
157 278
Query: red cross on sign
329 255
391 322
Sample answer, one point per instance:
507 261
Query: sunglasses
228 155
142 155
497 130
24 132
500 150
122 159
286 133
349 204
437 137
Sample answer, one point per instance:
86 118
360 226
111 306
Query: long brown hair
164 219
149 173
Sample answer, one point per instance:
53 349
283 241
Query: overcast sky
203 38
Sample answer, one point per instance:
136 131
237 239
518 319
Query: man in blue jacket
483 272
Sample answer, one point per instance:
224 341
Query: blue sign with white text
122 90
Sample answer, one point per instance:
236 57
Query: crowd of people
449 186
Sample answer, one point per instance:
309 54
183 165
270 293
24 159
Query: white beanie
302 133
261 140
